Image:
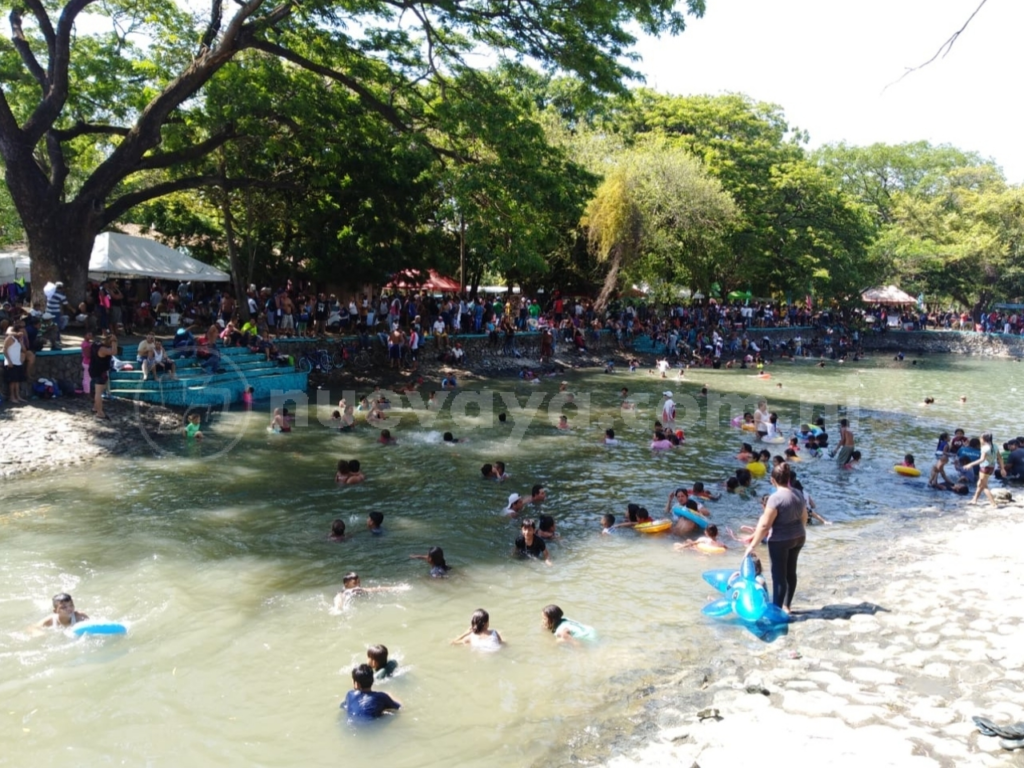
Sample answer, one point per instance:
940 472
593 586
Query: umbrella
429 280
888 294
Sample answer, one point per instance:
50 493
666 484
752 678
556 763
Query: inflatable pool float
749 427
690 515
746 598
710 549
98 628
907 471
655 526
777 440
757 469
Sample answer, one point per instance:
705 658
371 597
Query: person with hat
668 408
515 504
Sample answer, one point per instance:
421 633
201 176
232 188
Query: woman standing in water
986 464
785 515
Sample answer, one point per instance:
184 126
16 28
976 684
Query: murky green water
217 557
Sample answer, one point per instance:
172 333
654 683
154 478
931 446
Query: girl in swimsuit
565 630
480 635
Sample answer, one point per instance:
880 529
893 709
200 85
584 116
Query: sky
827 64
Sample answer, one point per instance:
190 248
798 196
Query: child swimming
565 630
480 636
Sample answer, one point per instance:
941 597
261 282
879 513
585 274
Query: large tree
91 122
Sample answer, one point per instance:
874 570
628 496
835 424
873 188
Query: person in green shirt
192 427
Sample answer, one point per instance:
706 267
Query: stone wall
67 364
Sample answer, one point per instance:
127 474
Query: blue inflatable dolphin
746 598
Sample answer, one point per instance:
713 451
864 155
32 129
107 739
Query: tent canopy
428 280
14 265
888 294
117 255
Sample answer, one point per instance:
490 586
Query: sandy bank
898 646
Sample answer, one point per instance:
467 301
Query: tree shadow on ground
834 612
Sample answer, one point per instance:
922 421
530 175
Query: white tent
117 255
14 264
888 294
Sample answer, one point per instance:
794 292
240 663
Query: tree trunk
241 295
60 242
611 280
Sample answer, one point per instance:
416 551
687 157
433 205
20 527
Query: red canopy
428 280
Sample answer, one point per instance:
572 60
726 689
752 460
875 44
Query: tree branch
25 51
82 129
43 20
389 113
944 49
195 152
145 134
216 16
49 108
126 202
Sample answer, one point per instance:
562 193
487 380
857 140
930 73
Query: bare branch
195 152
82 129
25 51
944 49
49 108
216 16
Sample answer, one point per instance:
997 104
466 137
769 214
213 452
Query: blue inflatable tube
689 514
99 628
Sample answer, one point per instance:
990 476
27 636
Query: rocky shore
50 434
896 648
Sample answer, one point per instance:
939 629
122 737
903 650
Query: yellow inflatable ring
655 526
748 427
907 471
710 549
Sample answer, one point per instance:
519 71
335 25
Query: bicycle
319 360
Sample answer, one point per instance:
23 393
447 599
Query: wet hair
844 423
855 456
790 453
795 484
607 520
546 523
692 504
909 458
362 676
385 434
349 577
642 515
659 435
335 414
944 436
500 466
449 437
486 470
343 465
743 476
536 489
609 433
528 522
698 487
338 527
479 620
781 475
377 518
553 615
748 448
632 510
773 417
502 417
974 443
60 598
353 466
711 530
820 422
377 654
764 454
435 556
732 484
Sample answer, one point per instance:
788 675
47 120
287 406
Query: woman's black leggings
783 555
